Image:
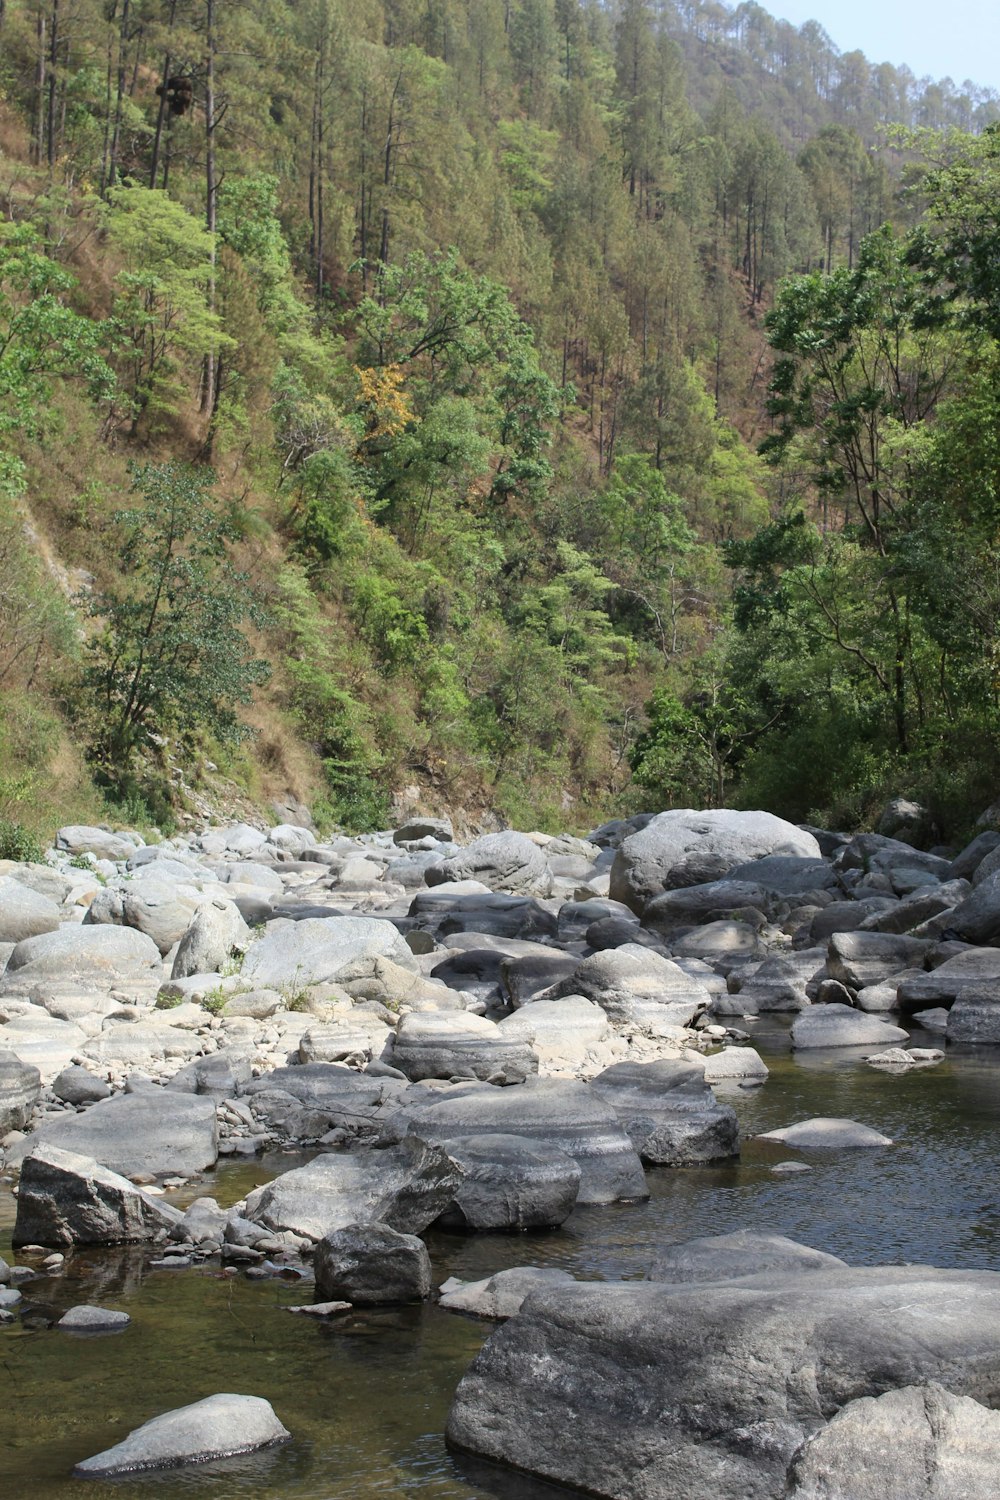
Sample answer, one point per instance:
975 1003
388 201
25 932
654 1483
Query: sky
959 39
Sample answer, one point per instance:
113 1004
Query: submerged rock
827 1135
502 1295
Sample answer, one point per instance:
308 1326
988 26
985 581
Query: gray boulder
66 1198
162 909
669 1112
216 932
974 1018
509 1184
637 989
977 918
76 1085
842 1026
735 1062
304 1102
919 1443
780 983
321 950
567 1115
565 1034
405 1186
787 875
682 848
707 1390
424 828
78 838
158 1132
24 913
502 861
20 1088
371 1264
943 985
87 1319
827 1134
218 1427
449 1045
965 864
692 905
859 958
90 956
731 1257
448 910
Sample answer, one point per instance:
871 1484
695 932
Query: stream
366 1396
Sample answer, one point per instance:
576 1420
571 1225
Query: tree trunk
161 113
53 58
211 194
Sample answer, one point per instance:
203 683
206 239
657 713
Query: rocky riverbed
294 1074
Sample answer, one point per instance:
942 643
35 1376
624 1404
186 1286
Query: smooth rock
502 1295
217 1427
24 913
86 1319
20 1089
974 1019
509 1184
321 950
636 989
822 1134
502 861
842 1026
463 1046
730 1257
215 933
157 1131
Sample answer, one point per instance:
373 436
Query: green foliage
18 844
169 655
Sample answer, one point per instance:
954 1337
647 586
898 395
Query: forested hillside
538 408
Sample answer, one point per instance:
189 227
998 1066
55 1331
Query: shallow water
366 1397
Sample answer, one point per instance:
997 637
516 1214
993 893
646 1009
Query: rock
24 913
847 916
66 1198
217 1427
216 932
20 1088
567 1115
858 959
565 1034
925 903
161 908
787 875
75 1085
90 956
906 821
918 1443
451 909
706 1391
975 1016
79 839
502 861
636 989
943 985
305 1102
734 1062
157 1132
892 1060
724 945
221 1075
460 1046
827 1135
977 918
524 979
780 983
686 848
371 1264
670 1114
510 1183
355 1034
424 828
730 1257
842 1026
405 1186
689 906
86 1319
502 1295
322 950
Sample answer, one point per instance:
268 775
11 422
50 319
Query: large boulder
217 1427
24 913
303 1103
977 918
156 1132
842 1026
567 1115
78 838
448 1045
448 910
322 950
216 932
669 1112
919 1443
66 1198
89 956
975 1016
706 1391
943 985
780 983
20 1087
859 959
674 911
417 828
510 1183
162 909
502 861
683 847
637 989
405 1186
502 1295
371 1264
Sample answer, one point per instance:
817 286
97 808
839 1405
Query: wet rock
510 1183
24 913
86 1319
842 1026
670 1114
218 1427
974 1018
708 1390
730 1257
502 1295
919 1443
405 1186
20 1088
823 1134
66 1198
570 1116
372 1264
460 1046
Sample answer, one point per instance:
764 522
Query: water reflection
366 1396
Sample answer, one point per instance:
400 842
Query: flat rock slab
447 1045
843 1026
405 1186
706 1391
567 1115
158 1131
822 1134
731 1257
88 955
502 1295
919 1443
669 1112
218 1427
66 1198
